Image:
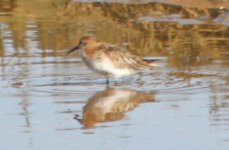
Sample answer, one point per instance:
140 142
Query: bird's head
84 42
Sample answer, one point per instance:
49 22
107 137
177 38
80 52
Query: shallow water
52 101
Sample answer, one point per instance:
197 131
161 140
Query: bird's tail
147 64
151 62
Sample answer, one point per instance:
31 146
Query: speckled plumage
110 60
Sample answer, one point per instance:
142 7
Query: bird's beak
73 49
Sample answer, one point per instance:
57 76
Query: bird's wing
123 58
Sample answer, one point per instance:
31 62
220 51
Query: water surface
52 101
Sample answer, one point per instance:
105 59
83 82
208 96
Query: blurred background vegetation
187 32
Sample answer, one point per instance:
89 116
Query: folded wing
124 59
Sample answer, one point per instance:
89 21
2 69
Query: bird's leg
107 80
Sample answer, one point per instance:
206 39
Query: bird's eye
83 43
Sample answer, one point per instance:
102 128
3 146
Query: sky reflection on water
50 100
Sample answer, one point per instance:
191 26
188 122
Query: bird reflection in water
111 105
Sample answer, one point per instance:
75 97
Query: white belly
106 67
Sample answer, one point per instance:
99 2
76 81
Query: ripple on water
66 78
45 94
